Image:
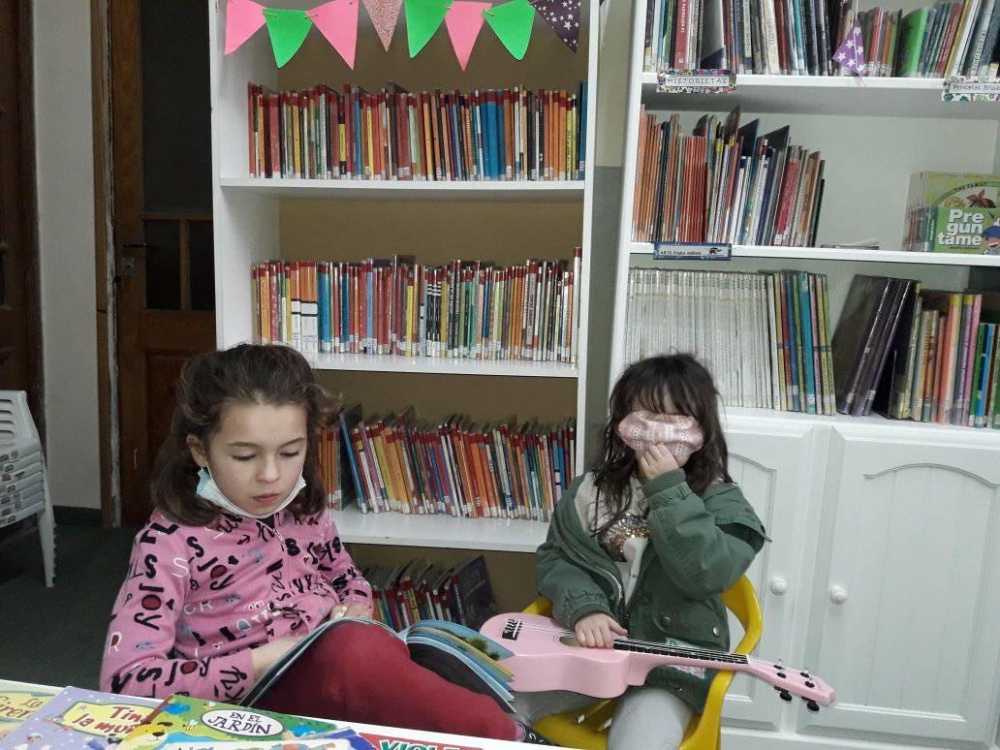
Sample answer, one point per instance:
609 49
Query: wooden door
161 155
20 322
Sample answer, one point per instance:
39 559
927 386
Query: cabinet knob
779 586
838 594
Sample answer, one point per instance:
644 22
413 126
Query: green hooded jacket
698 548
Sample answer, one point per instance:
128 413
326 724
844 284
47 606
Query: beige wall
65 180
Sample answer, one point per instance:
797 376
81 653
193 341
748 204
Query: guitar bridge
511 630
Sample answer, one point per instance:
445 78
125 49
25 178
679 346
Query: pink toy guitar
548 657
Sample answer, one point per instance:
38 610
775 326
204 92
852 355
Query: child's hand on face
598 630
654 461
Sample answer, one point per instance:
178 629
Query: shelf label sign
692 251
673 81
970 89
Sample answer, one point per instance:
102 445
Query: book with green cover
185 723
911 40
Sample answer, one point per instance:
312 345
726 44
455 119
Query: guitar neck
701 656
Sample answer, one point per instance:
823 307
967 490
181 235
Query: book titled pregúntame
953 212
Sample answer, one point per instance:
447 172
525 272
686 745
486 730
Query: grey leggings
648 717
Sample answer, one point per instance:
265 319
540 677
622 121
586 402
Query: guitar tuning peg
785 696
812 706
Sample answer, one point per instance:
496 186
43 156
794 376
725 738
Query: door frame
104 254
29 211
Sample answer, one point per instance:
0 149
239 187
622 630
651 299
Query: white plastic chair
24 489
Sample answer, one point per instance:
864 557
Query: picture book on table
185 723
19 700
390 742
953 213
75 717
457 653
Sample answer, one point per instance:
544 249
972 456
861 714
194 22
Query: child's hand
654 461
598 630
350 609
266 655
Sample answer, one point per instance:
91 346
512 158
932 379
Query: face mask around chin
208 490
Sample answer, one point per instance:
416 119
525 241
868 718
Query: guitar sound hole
569 640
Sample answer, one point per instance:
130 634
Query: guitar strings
648 646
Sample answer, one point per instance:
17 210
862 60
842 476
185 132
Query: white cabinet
906 598
770 462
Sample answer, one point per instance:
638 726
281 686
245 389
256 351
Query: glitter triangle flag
851 52
464 20
243 19
511 22
384 15
563 17
338 22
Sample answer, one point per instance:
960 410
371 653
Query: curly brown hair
689 385
208 385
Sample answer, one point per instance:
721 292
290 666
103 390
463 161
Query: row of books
724 183
393 134
765 336
465 309
397 462
935 352
423 590
800 37
953 212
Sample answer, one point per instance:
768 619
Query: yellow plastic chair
589 730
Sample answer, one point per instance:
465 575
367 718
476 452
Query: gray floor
55 636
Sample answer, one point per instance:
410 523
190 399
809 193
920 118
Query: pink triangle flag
464 20
384 14
244 18
338 22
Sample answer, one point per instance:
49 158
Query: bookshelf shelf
502 535
568 191
842 254
829 95
441 366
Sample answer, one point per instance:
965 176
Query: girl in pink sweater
239 560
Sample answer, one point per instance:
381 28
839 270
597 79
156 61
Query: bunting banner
384 14
423 17
288 30
337 21
512 23
563 17
463 21
243 19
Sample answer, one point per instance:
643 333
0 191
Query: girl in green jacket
646 542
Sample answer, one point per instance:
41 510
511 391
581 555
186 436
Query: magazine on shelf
457 653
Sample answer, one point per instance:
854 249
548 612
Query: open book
457 653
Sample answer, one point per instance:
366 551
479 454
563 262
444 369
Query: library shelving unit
260 219
883 573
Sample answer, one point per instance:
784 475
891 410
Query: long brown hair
208 385
689 385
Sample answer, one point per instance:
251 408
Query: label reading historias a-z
692 251
706 81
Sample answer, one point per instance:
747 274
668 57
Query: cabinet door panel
907 596
770 467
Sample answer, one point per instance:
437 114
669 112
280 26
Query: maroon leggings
356 672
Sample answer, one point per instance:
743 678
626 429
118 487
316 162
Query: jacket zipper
590 564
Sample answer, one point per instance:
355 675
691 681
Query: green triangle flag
288 30
423 17
512 22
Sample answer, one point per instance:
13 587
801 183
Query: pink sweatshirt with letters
197 598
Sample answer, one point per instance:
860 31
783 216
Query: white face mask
209 490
